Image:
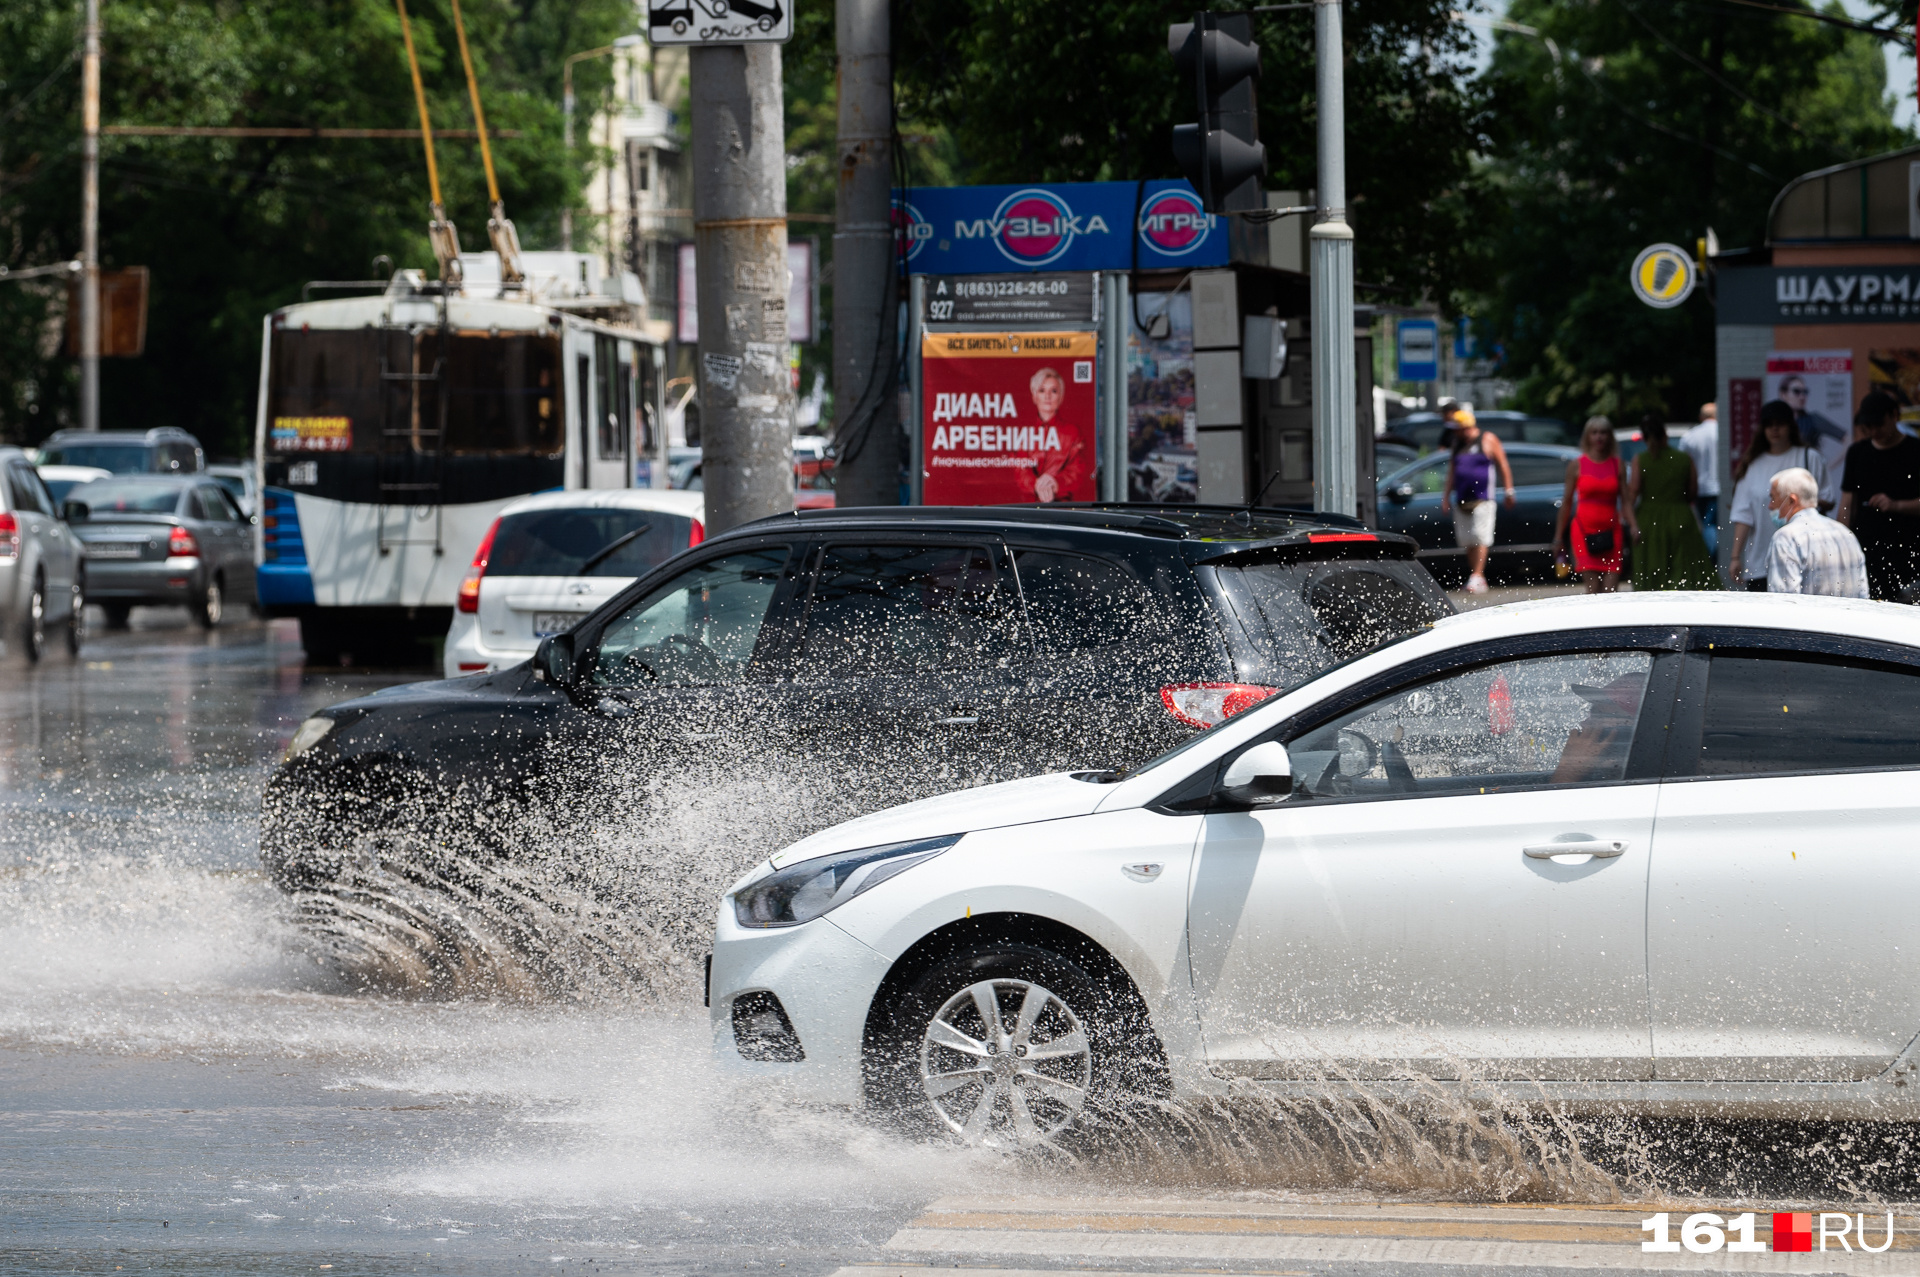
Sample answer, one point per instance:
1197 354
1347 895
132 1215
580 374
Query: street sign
719 21
1013 300
1663 276
1419 350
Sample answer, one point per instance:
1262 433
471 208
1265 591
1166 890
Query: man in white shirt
1811 554
1702 443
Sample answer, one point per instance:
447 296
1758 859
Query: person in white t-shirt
1702 443
1776 447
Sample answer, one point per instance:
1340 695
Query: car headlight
789 897
310 734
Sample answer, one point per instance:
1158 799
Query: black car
798 670
1409 503
161 450
155 540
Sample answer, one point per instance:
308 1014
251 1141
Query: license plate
113 550
545 623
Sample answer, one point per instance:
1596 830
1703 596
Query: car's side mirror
1400 494
1263 774
553 660
76 512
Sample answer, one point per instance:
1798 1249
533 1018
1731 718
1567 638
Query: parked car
241 484
847 657
61 480
155 540
1390 455
812 472
550 559
1409 503
1426 431
1567 845
42 574
162 450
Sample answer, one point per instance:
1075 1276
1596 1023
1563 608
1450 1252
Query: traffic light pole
740 251
1335 460
90 220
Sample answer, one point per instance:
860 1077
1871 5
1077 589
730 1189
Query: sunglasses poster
1818 386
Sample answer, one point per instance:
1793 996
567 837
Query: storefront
1826 311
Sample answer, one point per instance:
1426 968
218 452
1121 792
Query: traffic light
1221 155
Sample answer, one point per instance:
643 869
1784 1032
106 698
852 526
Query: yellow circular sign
1663 276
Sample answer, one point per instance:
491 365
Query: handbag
1599 544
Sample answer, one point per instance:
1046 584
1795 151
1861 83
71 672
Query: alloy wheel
37 622
77 618
213 604
1006 1062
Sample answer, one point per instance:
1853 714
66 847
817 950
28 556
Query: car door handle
1598 848
958 720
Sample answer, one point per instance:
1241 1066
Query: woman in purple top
1469 492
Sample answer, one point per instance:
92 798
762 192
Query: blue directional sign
1061 226
1419 350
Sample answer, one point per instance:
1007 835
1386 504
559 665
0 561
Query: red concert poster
1007 417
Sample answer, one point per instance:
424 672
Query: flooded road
186 1086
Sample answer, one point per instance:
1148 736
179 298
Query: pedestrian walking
1469 492
1776 447
1811 554
1592 504
1880 498
1669 552
1702 444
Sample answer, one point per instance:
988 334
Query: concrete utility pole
865 287
1335 483
90 220
740 252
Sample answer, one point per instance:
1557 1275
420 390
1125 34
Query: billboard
1062 226
1008 417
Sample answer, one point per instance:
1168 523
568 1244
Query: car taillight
181 545
1209 704
698 534
10 536
469 600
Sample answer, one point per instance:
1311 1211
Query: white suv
550 559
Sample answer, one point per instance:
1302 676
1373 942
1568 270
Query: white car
61 480
1653 852
550 559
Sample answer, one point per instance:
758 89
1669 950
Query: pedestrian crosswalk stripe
1256 1235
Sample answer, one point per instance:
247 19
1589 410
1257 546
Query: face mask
1779 520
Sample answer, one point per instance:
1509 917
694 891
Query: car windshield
563 542
104 496
234 484
120 458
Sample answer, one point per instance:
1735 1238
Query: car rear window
1532 469
121 458
563 542
104 496
1076 603
1296 619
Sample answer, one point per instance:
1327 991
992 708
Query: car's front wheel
209 607
77 616
1009 1043
36 630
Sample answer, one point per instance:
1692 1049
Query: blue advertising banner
1066 226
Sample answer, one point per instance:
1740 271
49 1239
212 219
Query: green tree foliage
1088 93
1620 123
233 228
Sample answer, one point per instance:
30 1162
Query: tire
320 637
938 1066
208 609
35 637
117 614
77 617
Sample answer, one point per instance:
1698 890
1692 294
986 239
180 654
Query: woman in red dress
1592 504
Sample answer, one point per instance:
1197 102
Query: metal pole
740 247
90 221
865 287
1335 483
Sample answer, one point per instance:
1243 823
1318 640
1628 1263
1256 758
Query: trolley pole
866 435
740 250
1335 483
90 220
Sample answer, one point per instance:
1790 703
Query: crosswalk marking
1252 1236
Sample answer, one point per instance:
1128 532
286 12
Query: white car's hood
1014 802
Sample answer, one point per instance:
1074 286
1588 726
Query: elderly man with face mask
1811 554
